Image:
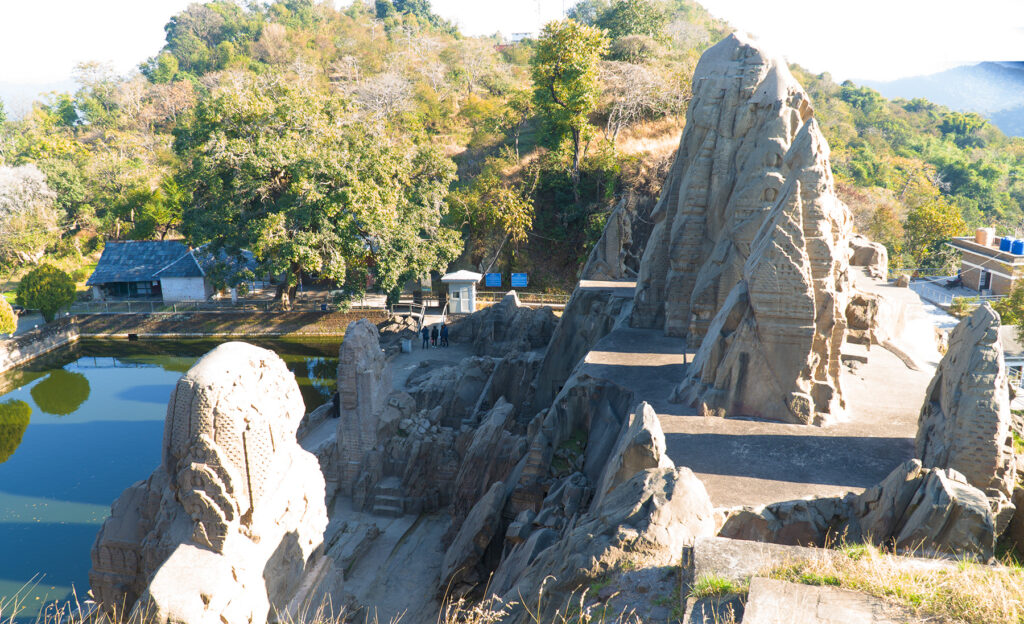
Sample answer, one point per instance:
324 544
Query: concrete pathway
403 364
749 462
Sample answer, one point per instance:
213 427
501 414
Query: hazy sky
41 40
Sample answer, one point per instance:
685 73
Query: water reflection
61 393
14 418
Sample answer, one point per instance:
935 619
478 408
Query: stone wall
224 324
16 351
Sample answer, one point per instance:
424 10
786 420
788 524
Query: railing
415 310
933 289
162 307
542 298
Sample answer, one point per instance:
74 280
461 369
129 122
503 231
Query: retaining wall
20 349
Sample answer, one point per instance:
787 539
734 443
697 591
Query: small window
455 294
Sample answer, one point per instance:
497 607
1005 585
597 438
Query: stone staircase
388 498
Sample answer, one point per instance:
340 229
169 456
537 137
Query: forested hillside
367 145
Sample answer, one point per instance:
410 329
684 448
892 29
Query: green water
79 426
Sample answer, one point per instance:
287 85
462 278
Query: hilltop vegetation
366 145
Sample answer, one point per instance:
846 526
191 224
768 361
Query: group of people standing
435 337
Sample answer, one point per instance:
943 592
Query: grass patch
967 592
1018 444
717 586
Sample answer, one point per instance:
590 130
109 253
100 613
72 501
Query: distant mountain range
995 90
18 96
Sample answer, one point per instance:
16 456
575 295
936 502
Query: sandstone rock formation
965 421
364 384
928 512
734 159
506 327
227 525
772 350
642 519
589 316
616 256
873 256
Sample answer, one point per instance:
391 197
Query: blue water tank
1017 247
1005 243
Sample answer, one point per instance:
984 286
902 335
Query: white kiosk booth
461 291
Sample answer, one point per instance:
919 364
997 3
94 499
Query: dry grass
963 592
577 609
658 138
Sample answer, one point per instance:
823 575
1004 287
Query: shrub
8 321
47 289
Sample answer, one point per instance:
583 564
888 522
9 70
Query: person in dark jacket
433 335
425 332
444 335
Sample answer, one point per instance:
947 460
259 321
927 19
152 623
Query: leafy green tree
588 11
1011 307
287 171
492 204
61 393
8 320
566 85
624 18
160 69
926 231
47 289
961 124
14 419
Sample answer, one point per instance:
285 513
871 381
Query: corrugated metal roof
140 261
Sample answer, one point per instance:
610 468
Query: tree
14 419
288 171
47 289
624 18
587 11
490 204
61 393
28 218
1011 308
8 320
566 86
926 231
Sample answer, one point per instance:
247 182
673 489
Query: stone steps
388 499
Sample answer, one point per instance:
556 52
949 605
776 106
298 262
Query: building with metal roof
160 270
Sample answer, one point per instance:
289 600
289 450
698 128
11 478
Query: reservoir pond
80 425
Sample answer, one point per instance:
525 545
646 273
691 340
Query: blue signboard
492 280
519 280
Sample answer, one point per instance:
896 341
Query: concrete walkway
748 462
403 364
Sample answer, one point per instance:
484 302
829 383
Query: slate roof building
158 270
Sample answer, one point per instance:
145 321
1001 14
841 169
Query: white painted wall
461 297
184 289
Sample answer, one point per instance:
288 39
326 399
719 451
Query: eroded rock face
616 256
646 520
506 327
226 526
772 350
590 315
635 506
928 512
965 422
873 256
729 172
364 383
